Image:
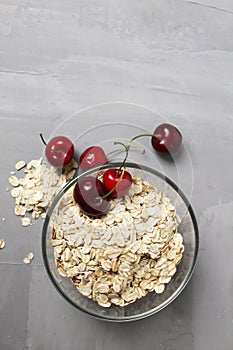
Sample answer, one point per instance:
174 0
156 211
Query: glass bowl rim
181 287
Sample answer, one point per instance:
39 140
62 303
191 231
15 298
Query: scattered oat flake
20 210
3 219
27 261
26 222
14 181
19 165
12 172
7 189
30 256
2 243
15 192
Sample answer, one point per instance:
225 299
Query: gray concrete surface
57 57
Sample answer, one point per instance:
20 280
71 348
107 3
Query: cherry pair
93 195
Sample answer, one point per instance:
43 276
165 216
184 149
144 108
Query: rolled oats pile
35 191
122 256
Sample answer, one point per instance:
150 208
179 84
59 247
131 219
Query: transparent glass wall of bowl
153 302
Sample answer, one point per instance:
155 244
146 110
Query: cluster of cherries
93 195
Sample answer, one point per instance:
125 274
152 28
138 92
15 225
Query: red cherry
110 179
59 151
92 157
88 192
168 138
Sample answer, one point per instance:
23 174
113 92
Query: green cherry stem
158 136
120 171
129 146
126 147
44 142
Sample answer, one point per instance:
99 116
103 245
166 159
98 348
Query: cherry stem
158 136
127 147
120 172
44 142
113 189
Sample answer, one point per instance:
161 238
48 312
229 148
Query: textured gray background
57 57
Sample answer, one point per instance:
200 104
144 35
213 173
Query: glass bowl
152 302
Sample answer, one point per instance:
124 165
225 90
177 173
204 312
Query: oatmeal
122 256
35 191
